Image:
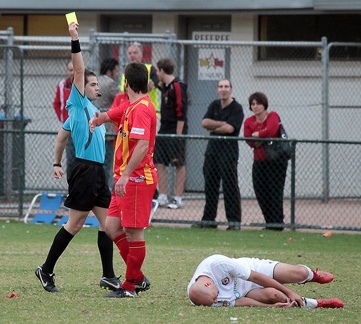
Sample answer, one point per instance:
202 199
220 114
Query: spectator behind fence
87 185
108 89
220 281
268 176
135 55
135 175
173 120
224 117
61 96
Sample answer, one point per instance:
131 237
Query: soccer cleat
321 277
329 303
47 280
162 201
121 293
110 283
143 285
174 204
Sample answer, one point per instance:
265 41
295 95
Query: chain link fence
314 97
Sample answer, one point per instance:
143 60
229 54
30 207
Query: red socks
123 246
136 256
133 255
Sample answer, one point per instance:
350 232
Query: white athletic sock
178 199
310 274
309 302
162 197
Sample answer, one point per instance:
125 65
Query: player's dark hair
260 98
137 76
108 64
167 65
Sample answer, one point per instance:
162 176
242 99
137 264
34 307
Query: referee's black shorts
87 186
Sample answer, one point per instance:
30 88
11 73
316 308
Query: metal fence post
93 49
9 113
21 188
325 121
293 185
181 63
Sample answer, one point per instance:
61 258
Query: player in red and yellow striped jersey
135 177
136 124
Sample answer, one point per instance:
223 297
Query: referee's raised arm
77 58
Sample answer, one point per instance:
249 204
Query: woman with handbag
268 175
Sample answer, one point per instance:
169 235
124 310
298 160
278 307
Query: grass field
172 256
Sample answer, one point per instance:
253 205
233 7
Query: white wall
243 27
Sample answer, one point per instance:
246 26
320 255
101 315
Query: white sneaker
174 204
162 201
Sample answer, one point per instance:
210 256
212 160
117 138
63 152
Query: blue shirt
66 125
88 146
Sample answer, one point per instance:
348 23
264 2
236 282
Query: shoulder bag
279 150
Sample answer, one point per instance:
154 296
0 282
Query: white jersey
230 276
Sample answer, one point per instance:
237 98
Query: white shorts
264 266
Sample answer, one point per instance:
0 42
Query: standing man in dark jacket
224 117
173 120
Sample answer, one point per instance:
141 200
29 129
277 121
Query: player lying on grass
222 281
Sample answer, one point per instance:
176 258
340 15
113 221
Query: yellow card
71 17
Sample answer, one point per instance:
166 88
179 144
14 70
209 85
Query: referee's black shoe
47 280
110 283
